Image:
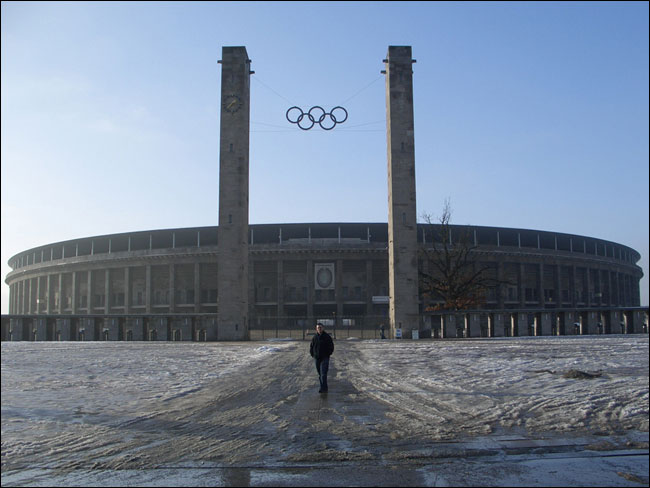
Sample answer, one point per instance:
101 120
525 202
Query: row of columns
138 328
539 323
24 294
619 285
198 327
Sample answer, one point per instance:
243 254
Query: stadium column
127 290
59 306
89 292
521 280
148 288
558 286
197 287
501 290
310 294
369 310
338 295
107 291
540 286
280 324
172 288
38 294
28 297
232 275
50 296
402 217
74 293
22 297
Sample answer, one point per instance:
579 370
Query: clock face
232 103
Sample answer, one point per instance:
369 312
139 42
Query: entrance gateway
232 260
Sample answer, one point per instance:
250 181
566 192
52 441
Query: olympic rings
317 117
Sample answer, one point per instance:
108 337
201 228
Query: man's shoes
322 391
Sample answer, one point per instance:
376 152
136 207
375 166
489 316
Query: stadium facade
299 273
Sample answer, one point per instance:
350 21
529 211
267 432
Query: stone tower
232 261
402 213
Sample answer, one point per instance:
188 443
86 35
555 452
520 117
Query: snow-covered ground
477 387
50 379
73 412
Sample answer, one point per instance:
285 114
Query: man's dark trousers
322 366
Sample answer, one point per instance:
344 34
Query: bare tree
452 279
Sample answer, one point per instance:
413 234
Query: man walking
321 348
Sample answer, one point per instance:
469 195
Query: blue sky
527 115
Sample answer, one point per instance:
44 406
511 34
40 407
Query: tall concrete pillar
402 212
232 277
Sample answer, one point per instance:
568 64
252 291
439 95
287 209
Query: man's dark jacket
321 346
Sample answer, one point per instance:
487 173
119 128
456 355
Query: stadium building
299 273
